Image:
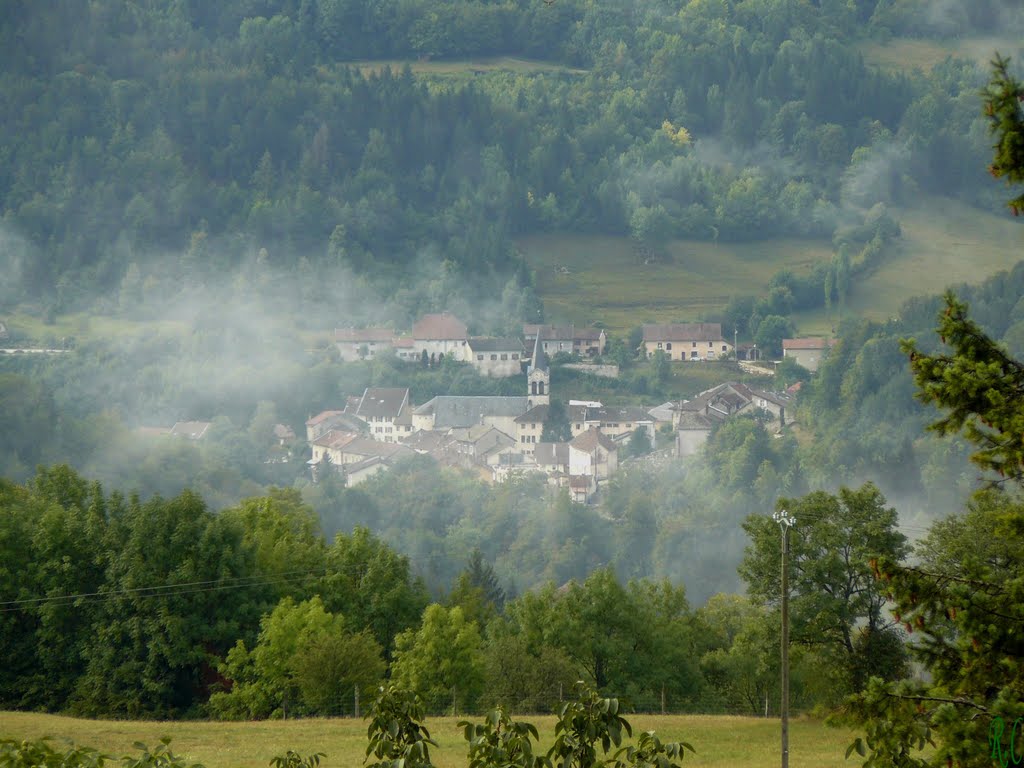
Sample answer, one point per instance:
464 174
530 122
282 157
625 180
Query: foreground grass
738 742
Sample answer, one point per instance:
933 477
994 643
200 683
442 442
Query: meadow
476 66
908 54
597 279
737 742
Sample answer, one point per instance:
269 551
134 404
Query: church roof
465 411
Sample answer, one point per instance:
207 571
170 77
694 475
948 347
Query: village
501 436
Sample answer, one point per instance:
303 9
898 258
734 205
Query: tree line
211 134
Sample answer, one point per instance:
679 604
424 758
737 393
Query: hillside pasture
907 54
592 278
736 742
477 66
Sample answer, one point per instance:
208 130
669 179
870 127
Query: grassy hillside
476 66
902 53
589 279
737 742
586 278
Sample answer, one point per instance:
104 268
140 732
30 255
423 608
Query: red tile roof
439 327
809 343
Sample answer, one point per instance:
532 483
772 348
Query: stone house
362 343
585 342
686 341
807 352
496 356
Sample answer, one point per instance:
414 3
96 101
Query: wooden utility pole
785 523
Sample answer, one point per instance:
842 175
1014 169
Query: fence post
356 696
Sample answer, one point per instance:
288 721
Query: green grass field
587 279
463 66
903 53
603 282
736 742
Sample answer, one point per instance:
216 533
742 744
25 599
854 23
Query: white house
807 352
387 413
440 336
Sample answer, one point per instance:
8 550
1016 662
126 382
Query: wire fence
549 701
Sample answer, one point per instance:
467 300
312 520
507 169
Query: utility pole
785 522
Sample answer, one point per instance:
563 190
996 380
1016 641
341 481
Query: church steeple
538 376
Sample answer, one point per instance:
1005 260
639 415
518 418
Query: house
807 351
446 412
585 342
496 356
717 404
774 403
686 341
692 431
552 458
440 336
481 443
355 457
325 421
284 434
731 399
193 430
617 422
593 453
530 426
386 411
405 349
362 343
582 488
330 447
363 470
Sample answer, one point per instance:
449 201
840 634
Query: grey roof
629 413
382 401
772 397
539 359
489 344
663 412
465 411
695 421
364 446
683 332
536 415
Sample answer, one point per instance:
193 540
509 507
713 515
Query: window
515 355
504 356
694 355
725 348
659 345
668 345
479 357
694 343
711 344
494 357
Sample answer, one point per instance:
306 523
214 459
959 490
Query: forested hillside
165 144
